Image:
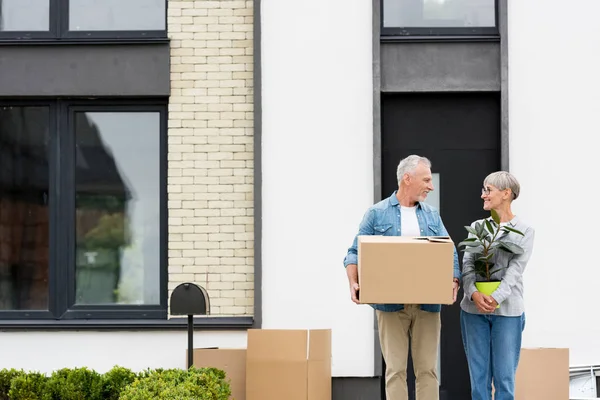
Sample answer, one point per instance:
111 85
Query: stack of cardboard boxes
296 364
278 364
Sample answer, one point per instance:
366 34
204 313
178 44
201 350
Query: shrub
115 380
117 384
75 384
176 384
29 386
6 376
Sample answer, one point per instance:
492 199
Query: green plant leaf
496 270
511 247
469 243
485 259
471 239
471 230
495 216
480 229
489 226
506 228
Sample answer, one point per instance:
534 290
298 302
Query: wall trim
504 117
377 195
175 323
257 84
355 388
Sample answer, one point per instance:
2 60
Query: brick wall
211 151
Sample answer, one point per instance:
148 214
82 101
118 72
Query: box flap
436 239
276 344
403 239
319 342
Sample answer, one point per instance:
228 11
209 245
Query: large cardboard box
405 270
288 364
232 361
543 374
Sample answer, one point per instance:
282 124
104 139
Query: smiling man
404 213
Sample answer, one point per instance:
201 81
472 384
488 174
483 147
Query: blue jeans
492 346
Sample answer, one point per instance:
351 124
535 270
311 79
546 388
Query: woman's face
494 197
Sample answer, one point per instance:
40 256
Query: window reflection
24 212
24 15
439 13
117 15
117 207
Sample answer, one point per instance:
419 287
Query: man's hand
352 272
484 303
455 287
354 292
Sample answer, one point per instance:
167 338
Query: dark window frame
59 30
440 33
61 268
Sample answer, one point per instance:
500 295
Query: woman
491 335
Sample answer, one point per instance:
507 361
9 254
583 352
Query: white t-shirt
409 224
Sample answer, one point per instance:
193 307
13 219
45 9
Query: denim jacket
383 219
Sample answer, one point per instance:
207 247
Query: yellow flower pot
487 288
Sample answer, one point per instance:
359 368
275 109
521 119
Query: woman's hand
485 304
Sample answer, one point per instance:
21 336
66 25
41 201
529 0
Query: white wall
554 67
49 351
317 168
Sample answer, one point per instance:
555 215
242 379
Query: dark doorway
460 134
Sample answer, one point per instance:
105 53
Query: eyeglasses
485 191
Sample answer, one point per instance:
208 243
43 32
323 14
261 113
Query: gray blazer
509 294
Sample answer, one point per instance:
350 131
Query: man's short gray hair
409 164
504 180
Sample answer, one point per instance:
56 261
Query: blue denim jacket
383 219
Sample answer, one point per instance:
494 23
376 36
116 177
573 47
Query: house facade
237 144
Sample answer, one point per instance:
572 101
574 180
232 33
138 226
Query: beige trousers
423 328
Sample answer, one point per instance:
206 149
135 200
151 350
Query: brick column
211 151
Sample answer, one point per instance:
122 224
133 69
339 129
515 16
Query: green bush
176 384
29 386
117 384
115 381
6 377
75 384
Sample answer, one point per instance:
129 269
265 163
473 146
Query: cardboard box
543 373
288 364
405 270
232 361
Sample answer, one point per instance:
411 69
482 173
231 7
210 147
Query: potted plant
484 243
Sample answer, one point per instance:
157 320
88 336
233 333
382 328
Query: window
82 19
24 15
439 18
117 15
82 211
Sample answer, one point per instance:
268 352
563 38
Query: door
460 134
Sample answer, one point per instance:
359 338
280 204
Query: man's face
420 183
